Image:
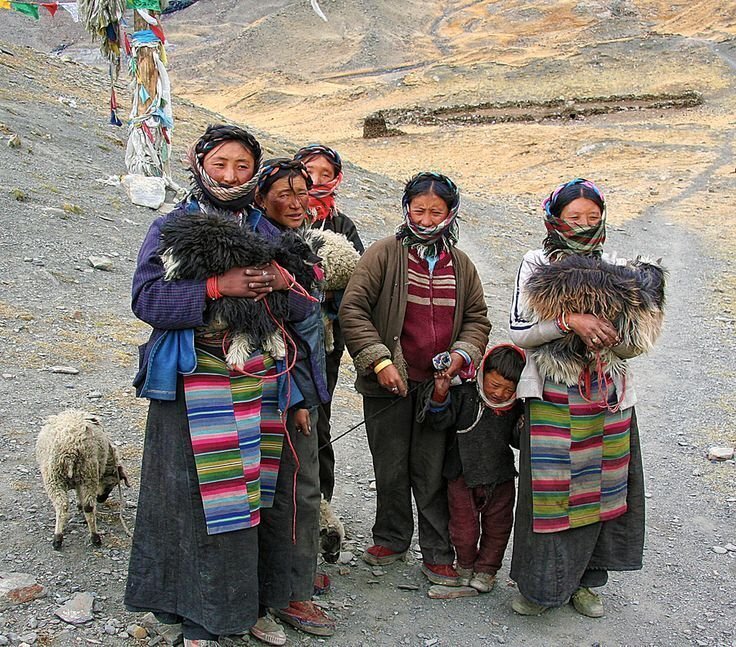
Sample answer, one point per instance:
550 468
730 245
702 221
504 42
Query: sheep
73 452
331 532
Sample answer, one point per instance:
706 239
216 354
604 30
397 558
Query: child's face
497 388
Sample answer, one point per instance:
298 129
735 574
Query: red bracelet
213 290
562 324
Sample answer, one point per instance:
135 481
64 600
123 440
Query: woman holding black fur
214 434
580 314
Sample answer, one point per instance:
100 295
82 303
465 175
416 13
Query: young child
482 416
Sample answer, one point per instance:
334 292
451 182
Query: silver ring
395 389
595 340
264 272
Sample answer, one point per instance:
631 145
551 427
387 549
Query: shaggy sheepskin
631 296
331 532
339 260
197 246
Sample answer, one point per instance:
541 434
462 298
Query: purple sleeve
170 305
300 307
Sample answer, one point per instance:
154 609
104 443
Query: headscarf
274 169
230 198
564 238
322 196
480 373
429 241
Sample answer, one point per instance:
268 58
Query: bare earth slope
670 182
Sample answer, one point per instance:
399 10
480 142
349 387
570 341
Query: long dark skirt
175 566
287 567
548 567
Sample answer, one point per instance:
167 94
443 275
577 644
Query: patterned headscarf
565 238
224 197
275 169
322 196
429 241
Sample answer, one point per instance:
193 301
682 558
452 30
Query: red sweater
430 312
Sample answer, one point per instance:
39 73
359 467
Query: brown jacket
374 305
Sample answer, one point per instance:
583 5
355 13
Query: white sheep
74 453
331 532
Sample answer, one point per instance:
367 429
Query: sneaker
307 617
378 555
269 631
442 574
321 583
526 607
587 603
464 575
483 582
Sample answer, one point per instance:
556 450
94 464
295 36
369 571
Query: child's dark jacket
483 454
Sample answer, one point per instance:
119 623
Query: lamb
331 532
73 452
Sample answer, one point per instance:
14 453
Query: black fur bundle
197 246
630 296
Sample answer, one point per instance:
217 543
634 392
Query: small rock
170 634
372 485
136 631
720 453
4 640
30 638
408 587
94 395
731 548
64 370
14 141
110 630
145 191
78 610
345 557
344 570
438 592
378 572
102 263
720 550
18 588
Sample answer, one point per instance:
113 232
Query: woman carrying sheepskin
580 511
325 168
413 296
213 434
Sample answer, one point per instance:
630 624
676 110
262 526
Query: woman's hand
250 282
457 362
596 332
302 423
390 380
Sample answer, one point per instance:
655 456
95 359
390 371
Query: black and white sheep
74 453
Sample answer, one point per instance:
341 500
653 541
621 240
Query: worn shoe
322 583
464 575
307 617
269 631
526 607
378 555
587 603
482 582
443 574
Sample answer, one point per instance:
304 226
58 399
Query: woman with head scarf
289 531
325 168
214 433
414 296
580 314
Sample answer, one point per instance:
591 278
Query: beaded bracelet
213 290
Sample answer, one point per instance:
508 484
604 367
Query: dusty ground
671 185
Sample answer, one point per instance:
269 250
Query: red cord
585 386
